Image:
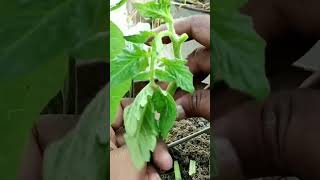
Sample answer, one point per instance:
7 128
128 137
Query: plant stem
152 72
175 41
176 45
172 87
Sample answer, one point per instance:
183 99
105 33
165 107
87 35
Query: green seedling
177 173
192 167
153 112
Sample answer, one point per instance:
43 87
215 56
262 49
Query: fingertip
118 120
162 157
113 137
120 137
181 113
183 103
152 174
196 104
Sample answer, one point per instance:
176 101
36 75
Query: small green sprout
177 173
192 167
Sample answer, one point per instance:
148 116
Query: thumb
161 157
195 105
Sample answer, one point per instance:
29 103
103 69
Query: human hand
121 166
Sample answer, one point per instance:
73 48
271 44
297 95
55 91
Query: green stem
172 87
175 41
171 27
151 69
177 46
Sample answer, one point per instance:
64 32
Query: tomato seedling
153 112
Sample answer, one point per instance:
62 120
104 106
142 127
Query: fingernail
181 112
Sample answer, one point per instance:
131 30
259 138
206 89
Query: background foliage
36 39
238 52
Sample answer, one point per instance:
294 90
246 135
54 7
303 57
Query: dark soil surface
197 149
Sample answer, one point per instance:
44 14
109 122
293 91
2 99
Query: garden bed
197 149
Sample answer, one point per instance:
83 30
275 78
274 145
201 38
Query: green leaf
33 32
141 127
238 53
128 64
94 48
123 69
81 154
142 37
144 141
36 38
22 101
142 76
117 42
181 72
117 91
133 114
164 76
155 10
165 105
159 74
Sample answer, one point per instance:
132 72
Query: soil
197 149
195 4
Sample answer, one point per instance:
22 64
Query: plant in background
153 112
238 52
37 40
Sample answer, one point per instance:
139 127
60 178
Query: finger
197 28
152 173
196 104
120 137
113 139
161 157
118 123
181 113
119 120
199 61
